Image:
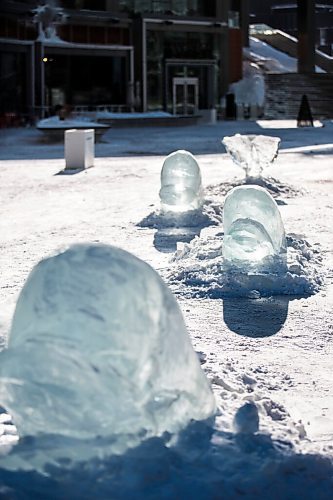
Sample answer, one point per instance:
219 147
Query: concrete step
284 93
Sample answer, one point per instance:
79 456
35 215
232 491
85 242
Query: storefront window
171 7
180 55
233 19
155 70
84 4
189 45
85 80
13 82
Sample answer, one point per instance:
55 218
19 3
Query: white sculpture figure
98 347
48 16
252 153
181 187
250 90
253 228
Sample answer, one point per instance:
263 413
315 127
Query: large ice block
253 228
181 186
252 153
98 347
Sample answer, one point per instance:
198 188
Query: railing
110 108
288 44
82 110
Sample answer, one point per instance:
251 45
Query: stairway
288 44
284 93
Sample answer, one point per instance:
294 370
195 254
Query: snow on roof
56 123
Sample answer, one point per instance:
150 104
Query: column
39 79
140 59
306 13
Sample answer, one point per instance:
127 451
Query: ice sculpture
250 91
98 347
181 187
253 228
252 153
47 17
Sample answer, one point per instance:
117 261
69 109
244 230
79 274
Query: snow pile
173 227
200 267
105 114
54 122
205 462
254 449
275 188
210 214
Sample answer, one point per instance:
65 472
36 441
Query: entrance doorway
185 96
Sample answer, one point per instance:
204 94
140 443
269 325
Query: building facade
178 56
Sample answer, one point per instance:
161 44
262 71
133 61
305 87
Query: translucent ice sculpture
47 17
181 187
253 228
98 347
252 153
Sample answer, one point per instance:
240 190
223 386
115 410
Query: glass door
185 96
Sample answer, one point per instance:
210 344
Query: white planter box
79 148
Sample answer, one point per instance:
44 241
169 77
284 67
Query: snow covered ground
269 357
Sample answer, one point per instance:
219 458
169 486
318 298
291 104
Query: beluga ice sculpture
254 235
181 185
253 153
98 355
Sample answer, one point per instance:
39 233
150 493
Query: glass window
13 82
233 21
189 45
84 4
171 7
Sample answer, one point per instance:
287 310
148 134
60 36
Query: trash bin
79 148
230 107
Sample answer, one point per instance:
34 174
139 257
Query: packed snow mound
253 228
275 188
251 433
248 466
210 214
56 123
198 270
98 349
105 114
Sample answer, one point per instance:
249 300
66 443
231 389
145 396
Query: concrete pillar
39 79
140 60
244 17
222 10
306 13
31 83
224 50
242 7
